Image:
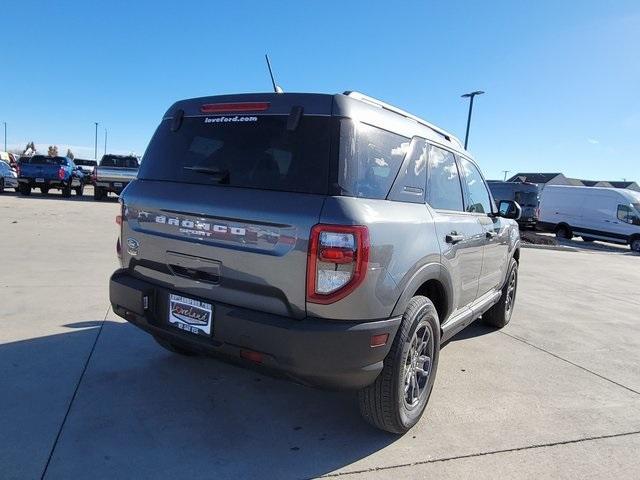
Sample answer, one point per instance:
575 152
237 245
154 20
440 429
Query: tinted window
119 161
526 199
87 163
410 183
369 159
46 160
443 181
628 215
256 153
478 195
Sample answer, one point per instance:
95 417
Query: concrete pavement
85 395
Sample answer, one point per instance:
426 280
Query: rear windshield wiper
221 174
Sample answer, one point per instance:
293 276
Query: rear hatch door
223 205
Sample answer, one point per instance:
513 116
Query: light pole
105 141
470 96
5 136
95 146
505 174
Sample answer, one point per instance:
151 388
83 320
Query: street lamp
470 95
105 141
95 146
5 136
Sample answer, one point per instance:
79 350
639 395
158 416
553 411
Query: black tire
587 239
635 244
500 314
1 185
66 191
25 189
564 232
98 193
44 190
173 348
392 402
79 190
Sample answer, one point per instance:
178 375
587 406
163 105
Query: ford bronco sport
334 239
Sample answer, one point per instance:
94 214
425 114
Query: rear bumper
324 353
112 186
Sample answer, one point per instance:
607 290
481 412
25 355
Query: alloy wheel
417 368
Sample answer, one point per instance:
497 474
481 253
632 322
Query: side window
478 200
443 181
411 180
626 214
370 158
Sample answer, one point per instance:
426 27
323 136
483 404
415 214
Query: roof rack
391 108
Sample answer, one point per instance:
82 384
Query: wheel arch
433 282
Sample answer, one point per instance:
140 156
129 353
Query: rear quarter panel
403 242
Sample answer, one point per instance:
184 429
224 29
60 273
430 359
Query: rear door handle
454 238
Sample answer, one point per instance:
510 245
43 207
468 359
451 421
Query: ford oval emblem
133 246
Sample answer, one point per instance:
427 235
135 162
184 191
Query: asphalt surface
556 394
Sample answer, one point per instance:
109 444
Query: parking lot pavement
84 394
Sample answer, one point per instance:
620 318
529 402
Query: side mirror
509 209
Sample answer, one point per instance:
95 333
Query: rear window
527 199
252 152
370 159
119 162
44 160
86 163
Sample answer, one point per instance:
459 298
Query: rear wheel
25 189
66 191
98 193
396 400
500 314
44 190
563 232
173 348
635 244
79 190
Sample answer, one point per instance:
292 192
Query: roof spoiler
380 104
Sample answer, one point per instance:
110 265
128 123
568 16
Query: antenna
276 88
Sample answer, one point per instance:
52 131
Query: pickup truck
113 174
45 172
87 167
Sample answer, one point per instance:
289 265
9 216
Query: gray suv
333 239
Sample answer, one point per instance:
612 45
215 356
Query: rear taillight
234 107
337 261
61 173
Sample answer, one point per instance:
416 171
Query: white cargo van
593 213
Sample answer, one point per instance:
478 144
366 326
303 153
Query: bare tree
70 154
30 149
53 151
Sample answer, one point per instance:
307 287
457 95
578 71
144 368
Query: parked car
113 174
334 239
87 167
46 173
523 193
593 213
8 177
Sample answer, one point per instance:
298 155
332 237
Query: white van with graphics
593 213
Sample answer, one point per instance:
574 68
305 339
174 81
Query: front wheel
635 245
396 400
563 232
79 190
500 314
66 191
1 185
98 193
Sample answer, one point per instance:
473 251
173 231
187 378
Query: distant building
542 179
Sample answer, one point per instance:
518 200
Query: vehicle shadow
57 195
142 412
476 329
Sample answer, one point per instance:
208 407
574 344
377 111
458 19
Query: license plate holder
117 184
39 180
190 315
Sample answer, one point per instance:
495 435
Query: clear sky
561 77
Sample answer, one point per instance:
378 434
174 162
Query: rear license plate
117 184
190 315
102 184
39 180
